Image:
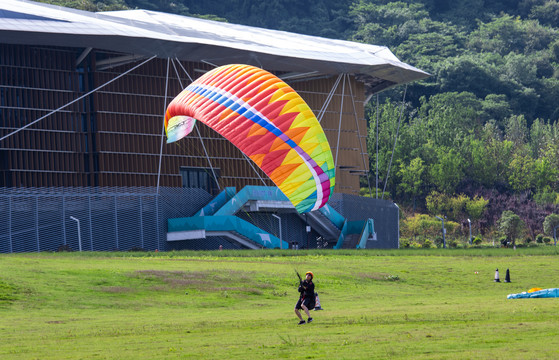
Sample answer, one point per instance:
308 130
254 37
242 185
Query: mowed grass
391 304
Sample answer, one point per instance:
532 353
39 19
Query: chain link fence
125 219
384 213
92 219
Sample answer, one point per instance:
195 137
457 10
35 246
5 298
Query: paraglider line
208 157
197 130
253 168
329 98
183 69
340 124
163 130
209 63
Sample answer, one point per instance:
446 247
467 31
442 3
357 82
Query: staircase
351 241
218 218
323 225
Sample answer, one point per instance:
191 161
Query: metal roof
149 33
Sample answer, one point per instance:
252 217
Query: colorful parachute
268 121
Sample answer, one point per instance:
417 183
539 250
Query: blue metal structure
218 218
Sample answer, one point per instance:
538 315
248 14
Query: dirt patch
211 280
116 289
239 289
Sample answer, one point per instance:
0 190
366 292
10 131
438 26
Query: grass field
392 304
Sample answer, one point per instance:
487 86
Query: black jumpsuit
307 295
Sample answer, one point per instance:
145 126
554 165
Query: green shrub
539 238
438 241
404 243
477 241
546 239
503 241
427 244
527 240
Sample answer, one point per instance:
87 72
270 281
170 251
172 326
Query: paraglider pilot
306 299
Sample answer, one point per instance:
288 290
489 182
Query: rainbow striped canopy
268 121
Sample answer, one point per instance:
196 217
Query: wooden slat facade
113 137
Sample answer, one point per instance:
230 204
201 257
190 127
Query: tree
437 203
521 172
551 221
554 50
552 146
511 225
90 5
516 130
545 175
546 196
430 43
383 23
547 13
388 117
450 117
540 134
506 34
447 172
174 7
475 73
501 153
458 207
496 107
416 224
412 178
475 208
481 168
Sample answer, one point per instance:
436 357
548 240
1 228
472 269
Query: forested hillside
483 128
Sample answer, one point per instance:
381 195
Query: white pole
443 231
398 221
470 225
79 232
279 220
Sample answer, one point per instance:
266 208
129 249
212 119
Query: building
82 96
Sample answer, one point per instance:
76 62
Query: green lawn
407 304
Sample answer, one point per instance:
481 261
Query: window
202 178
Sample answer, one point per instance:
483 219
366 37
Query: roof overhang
150 33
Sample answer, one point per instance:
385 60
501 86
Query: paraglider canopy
268 121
